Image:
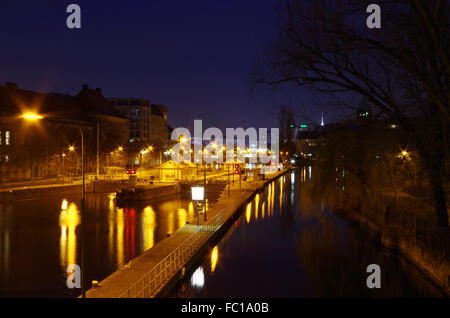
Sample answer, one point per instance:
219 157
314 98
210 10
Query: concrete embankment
154 272
41 191
33 192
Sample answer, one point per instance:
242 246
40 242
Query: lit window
7 138
6 158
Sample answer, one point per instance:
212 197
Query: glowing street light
32 116
198 194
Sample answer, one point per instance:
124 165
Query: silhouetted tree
286 124
403 69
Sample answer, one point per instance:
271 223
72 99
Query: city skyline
121 50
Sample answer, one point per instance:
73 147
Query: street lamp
198 194
143 152
63 156
32 116
150 149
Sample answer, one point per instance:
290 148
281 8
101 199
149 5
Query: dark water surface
277 248
281 248
40 238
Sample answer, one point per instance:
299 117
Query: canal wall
40 191
26 193
157 270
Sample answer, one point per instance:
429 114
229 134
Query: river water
277 248
40 238
281 248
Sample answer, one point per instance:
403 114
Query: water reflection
148 228
120 225
5 241
248 212
256 206
214 258
263 208
51 227
198 278
297 249
69 219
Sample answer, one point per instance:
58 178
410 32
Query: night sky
193 56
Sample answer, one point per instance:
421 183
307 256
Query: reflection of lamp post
198 194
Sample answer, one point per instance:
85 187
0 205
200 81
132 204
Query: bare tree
403 69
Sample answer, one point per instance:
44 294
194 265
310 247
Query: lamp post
83 221
149 149
204 200
63 156
98 148
32 117
198 194
228 175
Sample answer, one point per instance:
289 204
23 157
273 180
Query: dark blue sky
193 56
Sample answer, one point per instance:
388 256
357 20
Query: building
34 146
364 110
147 126
138 112
307 143
158 126
147 122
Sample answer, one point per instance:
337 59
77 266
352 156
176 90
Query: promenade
148 274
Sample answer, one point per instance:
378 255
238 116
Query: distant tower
321 121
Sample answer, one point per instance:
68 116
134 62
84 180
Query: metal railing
155 278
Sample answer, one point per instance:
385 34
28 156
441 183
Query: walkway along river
279 248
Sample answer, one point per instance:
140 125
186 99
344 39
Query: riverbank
394 226
38 191
152 273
